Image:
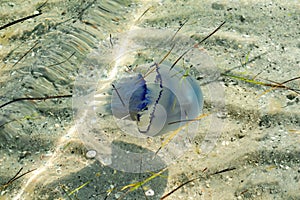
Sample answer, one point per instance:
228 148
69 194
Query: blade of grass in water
174 133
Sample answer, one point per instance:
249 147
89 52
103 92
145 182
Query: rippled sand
255 132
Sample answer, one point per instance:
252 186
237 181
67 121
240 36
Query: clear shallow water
134 51
65 33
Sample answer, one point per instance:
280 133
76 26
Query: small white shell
90 154
149 193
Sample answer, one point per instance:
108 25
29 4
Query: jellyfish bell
158 103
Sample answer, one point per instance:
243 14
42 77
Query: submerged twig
179 29
156 65
224 170
273 84
144 13
177 188
196 45
114 87
20 20
25 54
43 4
167 54
110 40
194 179
35 99
14 178
63 60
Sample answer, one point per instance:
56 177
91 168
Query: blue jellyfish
159 101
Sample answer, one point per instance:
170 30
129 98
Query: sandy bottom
250 150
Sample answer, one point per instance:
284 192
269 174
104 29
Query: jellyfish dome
161 102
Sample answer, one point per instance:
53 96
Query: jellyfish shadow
105 182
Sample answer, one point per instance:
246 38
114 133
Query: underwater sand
255 133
